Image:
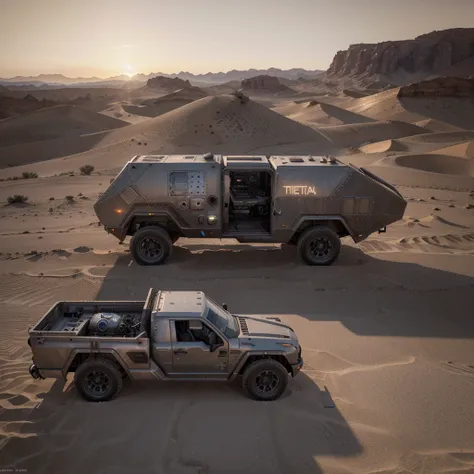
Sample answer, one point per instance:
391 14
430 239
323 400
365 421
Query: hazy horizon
105 38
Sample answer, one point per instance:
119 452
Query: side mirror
216 346
224 306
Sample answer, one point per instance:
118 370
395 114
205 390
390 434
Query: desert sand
387 331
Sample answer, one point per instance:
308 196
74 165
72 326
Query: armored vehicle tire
319 246
265 379
98 380
151 245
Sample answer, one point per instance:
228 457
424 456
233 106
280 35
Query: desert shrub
17 198
70 198
86 170
29 175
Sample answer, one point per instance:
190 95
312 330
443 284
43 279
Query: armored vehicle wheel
151 245
319 246
265 379
98 380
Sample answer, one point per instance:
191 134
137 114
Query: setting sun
128 70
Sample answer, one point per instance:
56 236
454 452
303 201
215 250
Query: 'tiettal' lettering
300 190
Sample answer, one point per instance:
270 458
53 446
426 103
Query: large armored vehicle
308 201
172 335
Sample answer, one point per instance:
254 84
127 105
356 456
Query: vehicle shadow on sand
174 428
369 295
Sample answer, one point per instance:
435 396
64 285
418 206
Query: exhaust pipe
34 372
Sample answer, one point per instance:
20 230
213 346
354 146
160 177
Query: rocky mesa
406 61
263 83
440 87
167 83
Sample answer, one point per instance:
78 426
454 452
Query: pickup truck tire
151 245
265 379
319 246
98 380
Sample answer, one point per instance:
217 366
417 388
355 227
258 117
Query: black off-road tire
151 245
319 246
98 380
252 379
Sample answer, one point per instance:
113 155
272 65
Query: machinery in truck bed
172 335
309 201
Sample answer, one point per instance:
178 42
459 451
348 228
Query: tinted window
178 183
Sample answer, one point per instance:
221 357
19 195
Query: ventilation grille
243 325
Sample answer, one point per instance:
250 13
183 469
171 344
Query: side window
178 183
190 330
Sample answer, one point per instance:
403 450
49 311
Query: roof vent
208 156
323 159
243 325
332 159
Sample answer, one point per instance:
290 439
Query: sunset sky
110 37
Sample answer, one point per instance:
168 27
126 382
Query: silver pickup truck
172 335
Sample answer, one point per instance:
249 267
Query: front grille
243 326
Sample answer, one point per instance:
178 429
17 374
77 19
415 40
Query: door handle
276 213
180 351
222 354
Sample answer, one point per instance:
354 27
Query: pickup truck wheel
151 245
319 246
98 380
265 379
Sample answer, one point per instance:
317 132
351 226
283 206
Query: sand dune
214 120
383 146
161 105
54 122
434 125
320 112
462 149
359 134
457 112
212 123
438 163
117 111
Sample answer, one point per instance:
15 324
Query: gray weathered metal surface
249 198
62 339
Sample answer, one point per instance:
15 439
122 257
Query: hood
254 326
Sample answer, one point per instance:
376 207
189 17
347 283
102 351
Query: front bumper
295 368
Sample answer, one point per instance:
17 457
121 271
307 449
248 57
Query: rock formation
440 87
402 61
167 83
263 83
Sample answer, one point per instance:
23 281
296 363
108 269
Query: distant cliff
440 87
264 83
167 83
401 62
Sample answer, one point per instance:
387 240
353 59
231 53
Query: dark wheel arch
265 379
319 245
151 245
98 379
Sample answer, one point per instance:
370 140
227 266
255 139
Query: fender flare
152 216
317 217
92 353
246 356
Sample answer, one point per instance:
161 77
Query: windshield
222 319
